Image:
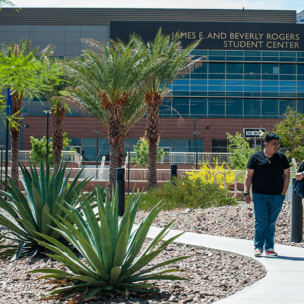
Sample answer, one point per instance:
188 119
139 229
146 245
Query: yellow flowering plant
207 173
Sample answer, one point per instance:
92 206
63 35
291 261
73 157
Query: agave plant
44 194
113 255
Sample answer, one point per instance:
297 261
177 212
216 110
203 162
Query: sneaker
257 252
271 252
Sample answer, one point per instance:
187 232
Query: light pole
196 133
97 132
47 134
129 147
194 119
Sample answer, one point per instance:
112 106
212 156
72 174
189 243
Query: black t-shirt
268 176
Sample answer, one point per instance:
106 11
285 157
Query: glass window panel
288 59
216 68
287 103
300 59
300 54
201 69
288 54
216 107
181 88
252 89
181 105
270 83
288 68
181 82
216 88
300 77
270 68
300 68
198 93
93 141
234 94
234 88
252 58
198 81
219 143
234 68
179 142
234 82
199 144
252 53
300 106
214 58
216 76
234 53
165 108
75 142
274 77
252 68
234 76
198 88
269 53
234 58
270 89
164 142
199 52
300 89
271 94
217 53
216 82
198 106
88 153
252 82
288 89
198 76
288 77
234 107
252 107
270 59
288 83
270 107
181 93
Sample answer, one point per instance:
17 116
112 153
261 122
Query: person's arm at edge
299 174
247 183
286 179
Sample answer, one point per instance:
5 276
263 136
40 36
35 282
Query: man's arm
247 184
299 175
286 179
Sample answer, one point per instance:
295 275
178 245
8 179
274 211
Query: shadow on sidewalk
282 257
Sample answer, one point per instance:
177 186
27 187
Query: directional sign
253 133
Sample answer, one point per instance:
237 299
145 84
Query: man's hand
247 199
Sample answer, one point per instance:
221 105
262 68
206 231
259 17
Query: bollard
120 182
296 216
173 172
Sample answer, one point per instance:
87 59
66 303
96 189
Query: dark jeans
266 211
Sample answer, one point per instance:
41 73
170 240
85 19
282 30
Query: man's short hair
270 136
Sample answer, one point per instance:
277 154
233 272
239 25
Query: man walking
268 172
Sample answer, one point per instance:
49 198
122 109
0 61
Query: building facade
251 69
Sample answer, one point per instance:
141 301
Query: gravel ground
230 221
211 275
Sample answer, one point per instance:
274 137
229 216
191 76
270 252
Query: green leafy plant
39 149
141 150
113 253
241 152
44 194
186 193
291 132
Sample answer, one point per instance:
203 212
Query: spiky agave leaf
26 215
112 250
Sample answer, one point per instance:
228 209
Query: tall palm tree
175 61
26 72
106 84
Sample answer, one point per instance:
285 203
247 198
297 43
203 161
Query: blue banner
9 103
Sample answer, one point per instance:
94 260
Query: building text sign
215 35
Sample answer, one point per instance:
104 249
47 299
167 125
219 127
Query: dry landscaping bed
211 275
229 221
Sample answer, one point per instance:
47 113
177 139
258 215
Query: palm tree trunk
153 101
121 150
113 166
58 117
15 133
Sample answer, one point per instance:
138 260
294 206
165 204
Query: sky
297 5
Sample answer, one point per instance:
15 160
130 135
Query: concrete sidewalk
284 282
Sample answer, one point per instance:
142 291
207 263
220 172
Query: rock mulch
211 275
229 221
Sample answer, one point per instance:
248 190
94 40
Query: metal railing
189 158
25 157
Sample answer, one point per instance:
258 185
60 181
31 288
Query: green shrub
45 193
186 193
112 251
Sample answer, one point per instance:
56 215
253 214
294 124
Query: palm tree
25 71
106 84
174 62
